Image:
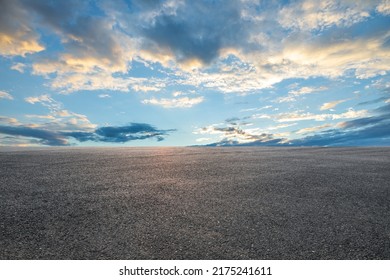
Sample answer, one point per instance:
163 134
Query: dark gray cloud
56 14
197 29
111 134
9 10
44 137
121 134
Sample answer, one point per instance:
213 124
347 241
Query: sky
183 73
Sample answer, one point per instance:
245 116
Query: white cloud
384 7
261 116
104 96
203 139
235 134
45 98
59 118
307 90
330 105
288 98
184 102
47 117
177 93
5 95
280 126
146 88
313 129
309 15
19 67
300 116
9 121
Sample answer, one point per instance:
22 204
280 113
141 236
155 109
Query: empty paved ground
195 203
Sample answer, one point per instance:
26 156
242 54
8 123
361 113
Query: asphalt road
195 203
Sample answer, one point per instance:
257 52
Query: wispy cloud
183 102
5 95
59 118
8 121
307 130
309 15
47 101
293 94
301 116
331 105
307 90
374 101
20 67
104 96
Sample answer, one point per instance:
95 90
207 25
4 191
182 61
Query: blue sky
178 73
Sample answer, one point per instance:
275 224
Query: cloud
365 132
244 47
373 130
203 139
309 15
19 67
134 131
184 102
174 25
90 41
300 116
312 129
47 117
17 36
92 46
279 126
307 90
292 94
8 121
330 105
44 137
45 100
373 101
111 134
59 118
233 134
104 96
5 95
384 7
304 116
182 93
233 120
